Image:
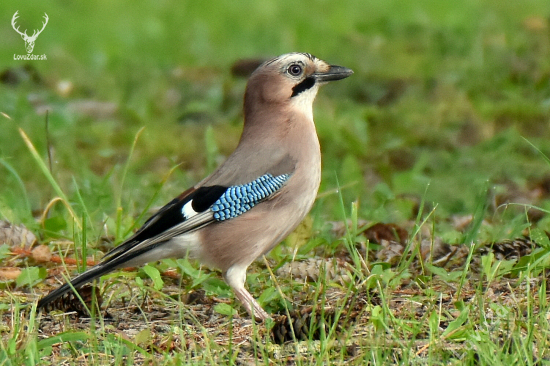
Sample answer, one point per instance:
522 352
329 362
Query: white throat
303 102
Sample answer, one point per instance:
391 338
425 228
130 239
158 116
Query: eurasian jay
255 198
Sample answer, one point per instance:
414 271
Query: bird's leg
250 304
235 277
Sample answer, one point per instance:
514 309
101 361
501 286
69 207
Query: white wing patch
187 210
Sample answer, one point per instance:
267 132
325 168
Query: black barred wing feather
236 200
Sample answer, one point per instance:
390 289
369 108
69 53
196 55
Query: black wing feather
161 227
170 215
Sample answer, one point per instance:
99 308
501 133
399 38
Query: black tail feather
110 264
77 282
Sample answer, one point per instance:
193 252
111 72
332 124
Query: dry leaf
16 235
9 273
42 253
390 232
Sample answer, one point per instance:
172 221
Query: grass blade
44 168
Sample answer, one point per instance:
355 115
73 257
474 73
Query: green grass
447 115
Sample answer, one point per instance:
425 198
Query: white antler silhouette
29 41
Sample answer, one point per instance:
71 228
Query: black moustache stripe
303 86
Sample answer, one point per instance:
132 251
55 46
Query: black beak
334 73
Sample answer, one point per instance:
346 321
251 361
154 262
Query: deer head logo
29 41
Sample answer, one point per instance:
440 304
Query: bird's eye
295 70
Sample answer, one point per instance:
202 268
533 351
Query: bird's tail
80 280
113 260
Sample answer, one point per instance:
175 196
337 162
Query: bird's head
291 80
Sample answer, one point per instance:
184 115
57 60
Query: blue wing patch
236 200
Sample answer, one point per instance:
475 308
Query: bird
254 199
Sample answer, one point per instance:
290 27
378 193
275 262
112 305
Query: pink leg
235 277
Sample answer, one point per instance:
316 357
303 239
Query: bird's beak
333 73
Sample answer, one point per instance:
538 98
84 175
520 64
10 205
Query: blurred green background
442 96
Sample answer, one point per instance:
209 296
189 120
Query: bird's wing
170 216
192 210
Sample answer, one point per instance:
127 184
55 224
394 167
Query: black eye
295 70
